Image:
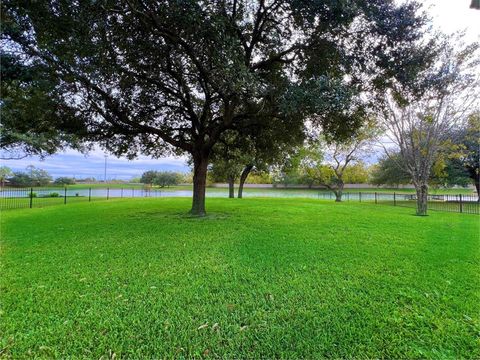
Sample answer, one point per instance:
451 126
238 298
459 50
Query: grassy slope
281 278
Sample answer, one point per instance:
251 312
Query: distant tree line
161 178
32 176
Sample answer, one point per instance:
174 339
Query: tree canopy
34 120
172 76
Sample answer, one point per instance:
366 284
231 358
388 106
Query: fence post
31 197
394 199
90 194
360 196
121 193
375 197
65 196
108 193
461 203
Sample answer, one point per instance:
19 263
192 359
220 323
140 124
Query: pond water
221 193
215 192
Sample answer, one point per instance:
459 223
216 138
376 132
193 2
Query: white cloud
455 15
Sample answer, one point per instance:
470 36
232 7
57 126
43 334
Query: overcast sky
448 15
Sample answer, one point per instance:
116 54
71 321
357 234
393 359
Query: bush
32 194
259 177
54 194
64 181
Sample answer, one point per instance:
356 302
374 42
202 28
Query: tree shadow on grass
183 216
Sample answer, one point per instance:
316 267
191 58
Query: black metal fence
460 203
14 198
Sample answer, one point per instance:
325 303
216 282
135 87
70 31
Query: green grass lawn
283 278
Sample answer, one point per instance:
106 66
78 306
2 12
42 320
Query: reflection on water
220 193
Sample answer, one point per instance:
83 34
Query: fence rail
15 198
460 203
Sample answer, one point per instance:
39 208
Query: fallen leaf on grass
203 326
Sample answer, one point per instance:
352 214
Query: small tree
389 171
39 177
469 153
227 162
167 178
419 124
148 177
258 147
64 181
357 173
269 146
5 172
228 171
331 169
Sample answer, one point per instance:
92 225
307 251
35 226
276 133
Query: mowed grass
256 278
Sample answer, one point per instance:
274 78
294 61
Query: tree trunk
231 188
422 197
200 164
243 178
338 193
477 186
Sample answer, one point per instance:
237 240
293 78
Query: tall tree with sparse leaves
419 125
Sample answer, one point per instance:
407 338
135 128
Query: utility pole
105 173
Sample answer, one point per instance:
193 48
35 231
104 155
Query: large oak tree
155 77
